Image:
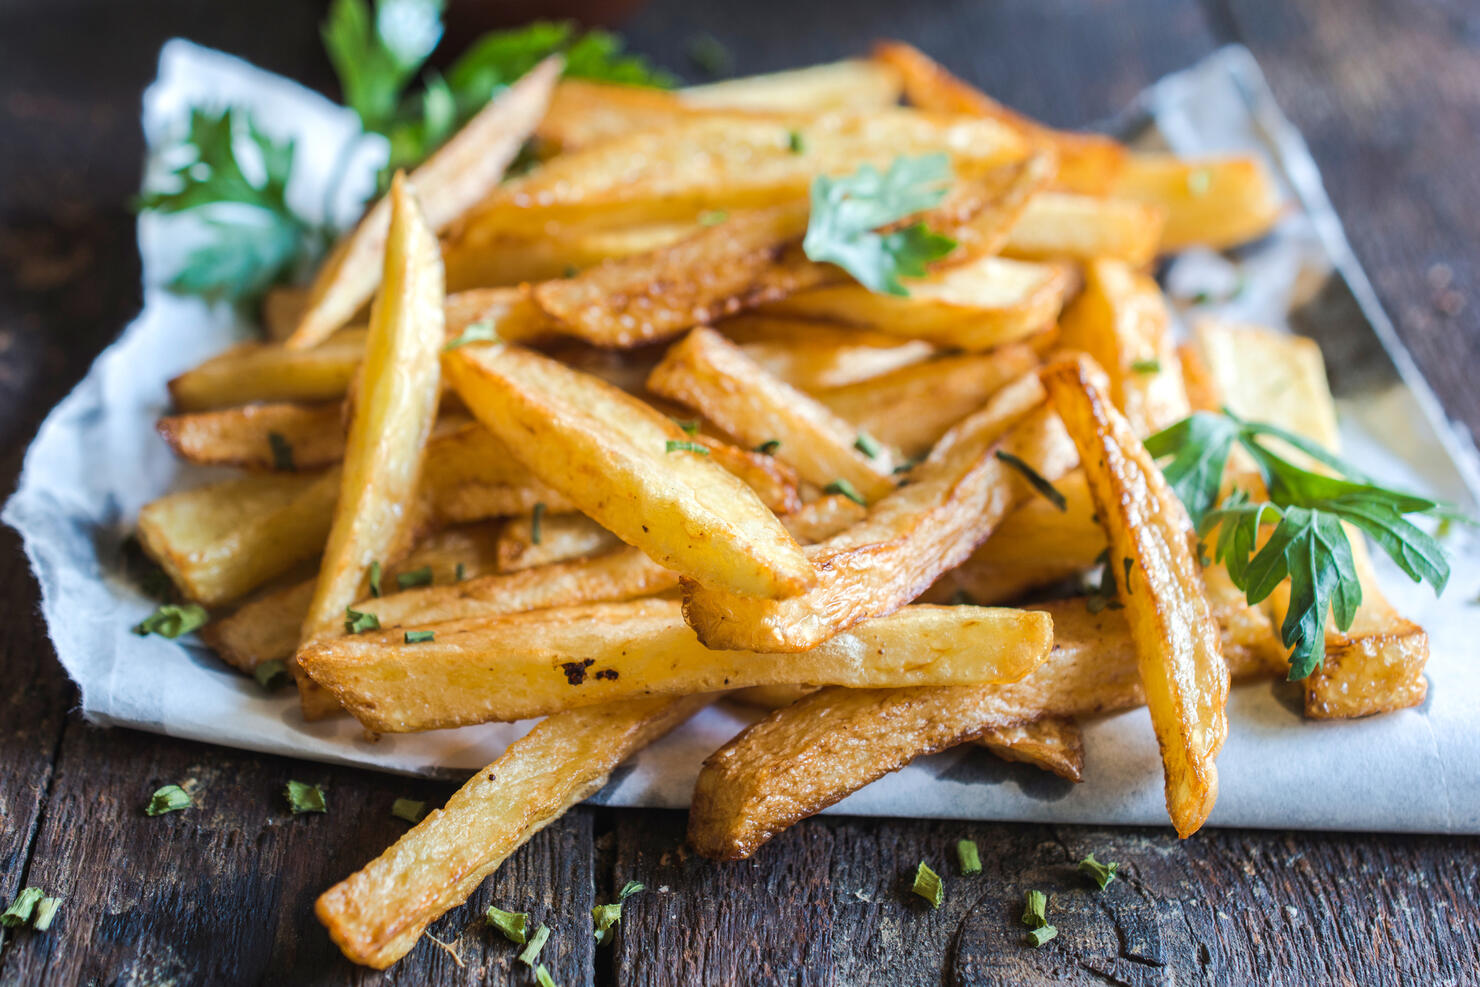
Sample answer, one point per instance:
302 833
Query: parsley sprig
847 212
1308 544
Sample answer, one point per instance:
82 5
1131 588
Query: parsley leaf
170 798
1101 874
848 210
303 797
172 620
376 56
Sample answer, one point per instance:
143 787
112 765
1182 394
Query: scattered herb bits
1037 480
1148 366
795 143
357 622
375 575
172 620
282 452
303 797
170 798
768 447
606 917
536 524
841 486
970 859
415 578
46 912
272 674
868 445
928 885
477 332
542 976
1101 874
420 637
531 951
511 924
409 809
21 910
1035 917
679 445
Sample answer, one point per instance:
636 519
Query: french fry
770 696
727 160
268 626
282 307
513 259
393 416
583 112
824 517
1088 163
854 84
1208 202
773 481
1058 225
1052 743
308 436
801 759
378 914
218 543
628 468
978 305
911 408
556 538
714 376
951 504
1161 586
470 475
450 182
1121 319
270 372
510 668
814 356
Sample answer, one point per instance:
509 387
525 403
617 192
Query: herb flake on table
21 910
969 858
303 797
531 951
170 798
409 809
605 917
1035 917
928 885
1101 874
511 924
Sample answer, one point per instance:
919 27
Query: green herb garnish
459 573
713 217
768 447
170 798
605 917
511 924
357 622
966 853
1037 480
420 637
303 797
476 332
1035 917
282 452
171 620
536 523
531 952
1306 509
794 142
414 578
678 445
20 910
542 977
375 576
1101 874
928 885
409 809
848 210
1148 366
867 445
272 674
1103 594
842 486
46 912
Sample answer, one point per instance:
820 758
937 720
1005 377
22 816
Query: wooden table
1388 95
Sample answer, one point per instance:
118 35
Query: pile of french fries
608 447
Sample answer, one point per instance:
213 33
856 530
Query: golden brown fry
470 475
450 182
1209 202
770 696
509 668
1121 319
1088 163
911 408
270 372
512 259
1053 743
377 914
813 356
282 307
727 160
1161 587
1269 376
952 502
824 517
310 436
852 84
977 305
626 466
710 374
583 112
774 482
556 538
1059 225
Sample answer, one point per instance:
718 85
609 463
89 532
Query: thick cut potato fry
282 307
1087 162
610 455
727 160
952 502
310 436
774 482
978 305
561 537
513 259
271 372
1082 227
450 182
1208 202
583 112
801 759
218 543
1053 743
1178 646
1270 376
470 475
713 376
814 356
378 914
268 626
911 408
1121 319
824 517
509 668
852 84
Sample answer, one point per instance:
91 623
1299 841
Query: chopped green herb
605 917
867 445
1202 297
1035 917
272 674
409 809
1199 182
536 523
677 445
928 885
768 447
1148 366
420 637
303 797
46 911
690 427
713 217
710 55
1101 874
460 573
961 598
542 977
842 486
1444 528
414 578
375 576
794 142
511 924
906 466
971 861
170 798
282 452
1103 594
531 952
477 332
631 888
171 620
849 209
357 622
1036 479
20 910
1037 937
152 580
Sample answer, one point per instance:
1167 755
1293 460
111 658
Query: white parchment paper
96 460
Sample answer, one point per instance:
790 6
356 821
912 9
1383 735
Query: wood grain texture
1388 96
